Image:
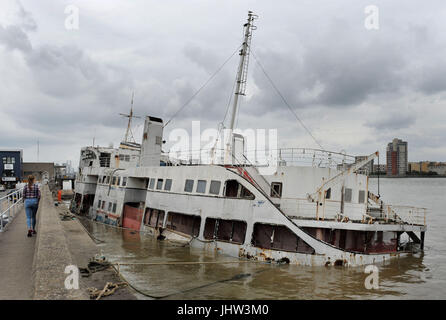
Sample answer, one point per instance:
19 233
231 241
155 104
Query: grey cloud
13 37
392 122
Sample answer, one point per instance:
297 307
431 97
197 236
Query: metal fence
407 214
280 157
9 206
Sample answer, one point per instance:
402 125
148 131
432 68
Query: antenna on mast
130 116
242 76
242 73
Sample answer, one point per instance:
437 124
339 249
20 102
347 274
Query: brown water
421 276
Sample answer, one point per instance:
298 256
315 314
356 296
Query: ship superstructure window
276 189
147 181
328 193
114 208
183 223
225 230
152 183
104 159
107 180
114 181
215 187
99 204
233 189
109 206
119 181
159 184
168 184
348 195
103 205
201 186
361 196
276 237
124 157
154 217
189 185
124 181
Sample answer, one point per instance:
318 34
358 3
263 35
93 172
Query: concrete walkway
16 259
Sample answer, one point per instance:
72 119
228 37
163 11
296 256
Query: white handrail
12 200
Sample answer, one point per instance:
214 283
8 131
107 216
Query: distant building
397 164
438 167
40 170
10 167
420 167
366 169
379 168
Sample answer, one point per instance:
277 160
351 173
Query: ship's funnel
152 140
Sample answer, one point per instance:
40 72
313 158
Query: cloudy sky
354 88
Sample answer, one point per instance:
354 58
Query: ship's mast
130 116
242 72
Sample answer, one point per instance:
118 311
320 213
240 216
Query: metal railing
280 157
406 214
9 206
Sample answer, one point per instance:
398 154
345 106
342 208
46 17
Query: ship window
189 185
184 223
328 193
225 230
154 217
201 186
159 140
152 183
124 181
168 184
246 194
107 180
99 204
109 206
348 195
104 159
278 238
361 196
114 181
119 181
159 184
276 189
147 183
103 205
234 189
114 207
231 190
215 187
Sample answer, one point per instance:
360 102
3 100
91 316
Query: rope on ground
96 264
65 216
108 290
91 236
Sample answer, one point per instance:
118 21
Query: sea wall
51 255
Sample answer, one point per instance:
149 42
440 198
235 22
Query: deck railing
9 206
406 214
279 157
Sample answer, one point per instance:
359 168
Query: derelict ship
308 214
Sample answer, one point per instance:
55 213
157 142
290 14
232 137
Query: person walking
31 198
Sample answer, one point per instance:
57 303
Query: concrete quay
34 268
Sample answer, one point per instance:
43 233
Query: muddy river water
421 276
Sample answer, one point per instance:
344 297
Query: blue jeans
31 206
